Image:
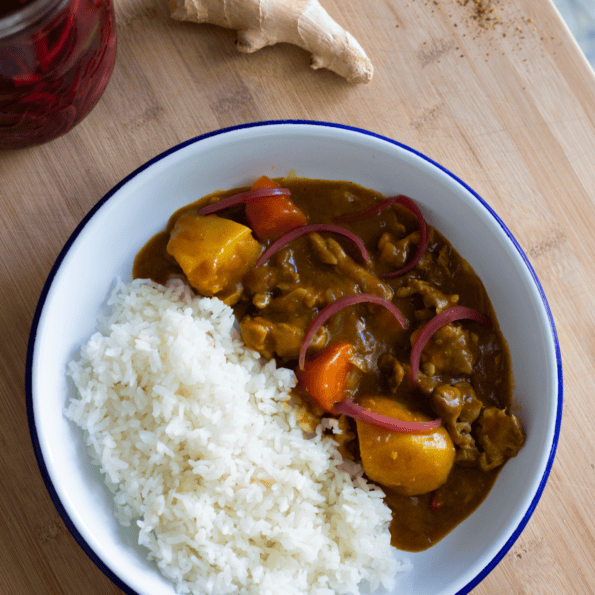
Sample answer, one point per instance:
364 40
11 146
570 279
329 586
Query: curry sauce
465 375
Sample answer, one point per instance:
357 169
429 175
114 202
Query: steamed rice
202 449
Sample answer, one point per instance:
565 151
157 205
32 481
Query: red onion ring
241 198
370 211
437 322
424 236
311 228
401 199
351 409
348 300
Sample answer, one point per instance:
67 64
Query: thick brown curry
465 376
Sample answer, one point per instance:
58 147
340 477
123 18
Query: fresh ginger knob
300 22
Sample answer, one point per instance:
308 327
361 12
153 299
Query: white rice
202 450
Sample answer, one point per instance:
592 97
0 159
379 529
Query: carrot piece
272 216
323 377
264 182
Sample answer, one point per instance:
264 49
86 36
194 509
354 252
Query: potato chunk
410 464
213 252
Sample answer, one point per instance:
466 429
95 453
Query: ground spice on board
483 12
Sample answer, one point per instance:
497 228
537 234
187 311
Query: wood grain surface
495 90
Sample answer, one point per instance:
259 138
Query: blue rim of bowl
32 336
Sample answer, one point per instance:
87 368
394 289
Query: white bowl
104 245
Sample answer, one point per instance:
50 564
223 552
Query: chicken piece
281 338
450 350
396 252
321 249
300 298
410 464
214 253
279 272
447 402
261 280
262 300
467 457
472 406
459 408
431 295
500 436
393 370
398 376
367 282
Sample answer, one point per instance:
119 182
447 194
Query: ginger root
300 22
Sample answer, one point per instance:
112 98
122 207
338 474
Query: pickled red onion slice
341 303
351 409
401 199
311 228
241 198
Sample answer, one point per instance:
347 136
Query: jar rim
28 16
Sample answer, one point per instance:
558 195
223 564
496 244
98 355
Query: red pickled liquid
51 77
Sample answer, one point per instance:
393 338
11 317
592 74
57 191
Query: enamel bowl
104 245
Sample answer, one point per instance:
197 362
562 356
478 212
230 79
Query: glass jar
56 58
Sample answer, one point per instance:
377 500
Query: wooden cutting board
495 90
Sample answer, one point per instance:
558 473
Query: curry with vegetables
390 331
